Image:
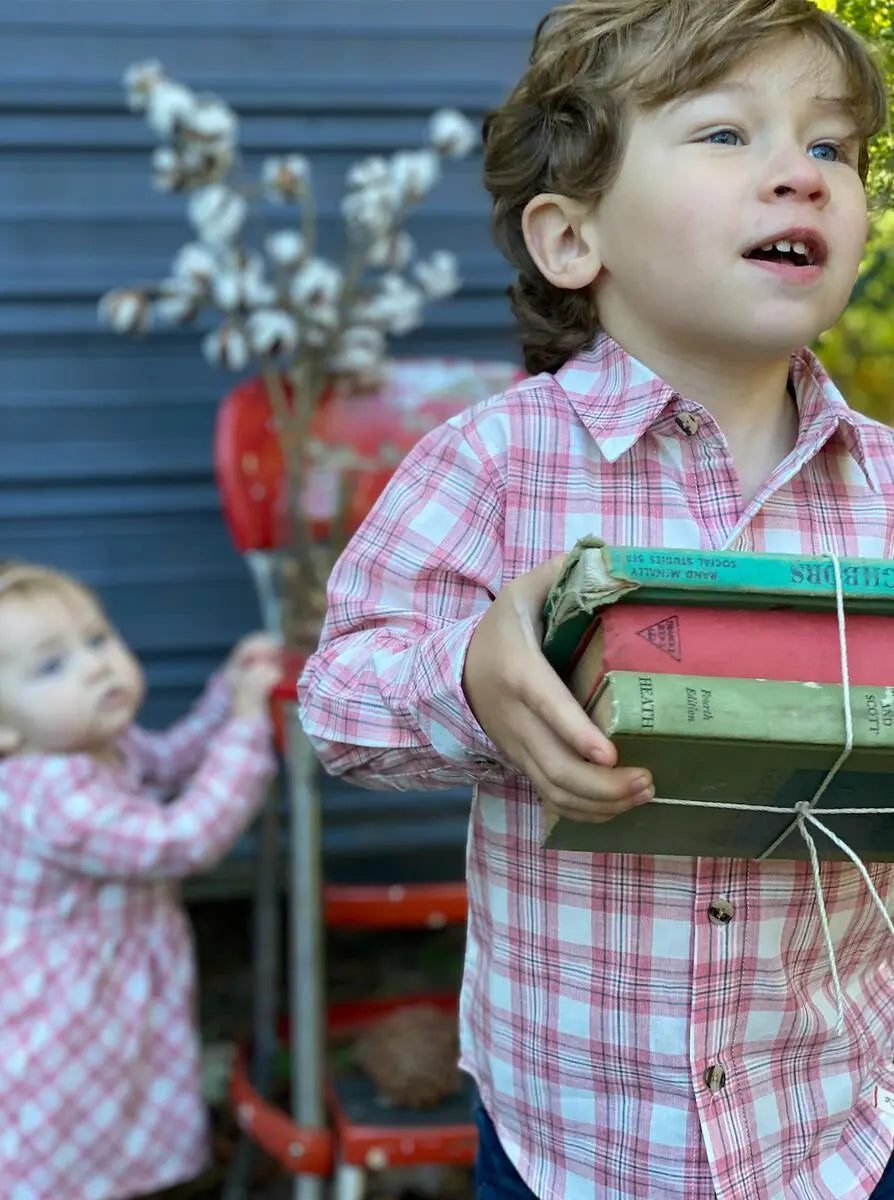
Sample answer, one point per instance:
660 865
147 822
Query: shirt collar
618 399
824 412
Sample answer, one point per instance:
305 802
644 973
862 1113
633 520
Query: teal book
595 575
751 742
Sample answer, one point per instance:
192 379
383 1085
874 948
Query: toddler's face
68 684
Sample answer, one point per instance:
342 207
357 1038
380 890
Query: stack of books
722 674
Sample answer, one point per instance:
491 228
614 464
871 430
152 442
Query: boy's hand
529 714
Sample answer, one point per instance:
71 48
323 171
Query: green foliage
874 19
859 351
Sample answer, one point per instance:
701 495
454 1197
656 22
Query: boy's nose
795 175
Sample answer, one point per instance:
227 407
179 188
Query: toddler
99 1057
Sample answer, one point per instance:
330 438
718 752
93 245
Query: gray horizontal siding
367 838
105 443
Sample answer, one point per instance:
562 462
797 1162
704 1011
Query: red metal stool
378 427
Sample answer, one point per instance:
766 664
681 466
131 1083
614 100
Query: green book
596 574
741 741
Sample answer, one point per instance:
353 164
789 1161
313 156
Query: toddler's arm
71 815
170 757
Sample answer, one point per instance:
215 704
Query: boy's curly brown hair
562 129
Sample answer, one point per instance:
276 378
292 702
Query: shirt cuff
455 731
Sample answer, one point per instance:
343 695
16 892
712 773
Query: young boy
680 185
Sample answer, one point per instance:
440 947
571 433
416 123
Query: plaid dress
626 1044
99 1083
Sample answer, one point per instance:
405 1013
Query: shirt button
688 422
715 1078
720 912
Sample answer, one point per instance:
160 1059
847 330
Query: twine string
804 816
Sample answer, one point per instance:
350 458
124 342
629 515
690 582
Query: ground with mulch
358 965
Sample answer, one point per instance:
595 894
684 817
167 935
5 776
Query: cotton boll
358 350
169 106
394 252
227 347
438 275
370 212
196 263
369 172
272 331
316 285
213 122
125 310
414 173
285 178
285 248
451 133
139 80
217 213
178 302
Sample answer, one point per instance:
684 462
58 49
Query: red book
736 643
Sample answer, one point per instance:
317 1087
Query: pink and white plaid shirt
627 1044
100 1092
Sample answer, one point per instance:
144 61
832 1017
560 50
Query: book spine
774 644
708 571
741 710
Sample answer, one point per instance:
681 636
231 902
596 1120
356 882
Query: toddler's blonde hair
26 579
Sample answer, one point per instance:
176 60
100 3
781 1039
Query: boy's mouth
794 248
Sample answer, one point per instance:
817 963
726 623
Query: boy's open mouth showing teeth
791 251
795 252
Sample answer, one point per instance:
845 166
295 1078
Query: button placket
716 1003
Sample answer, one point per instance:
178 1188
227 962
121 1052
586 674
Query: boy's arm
168 757
421 630
382 698
71 815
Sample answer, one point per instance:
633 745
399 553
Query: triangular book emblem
665 636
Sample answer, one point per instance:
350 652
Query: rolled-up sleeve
382 699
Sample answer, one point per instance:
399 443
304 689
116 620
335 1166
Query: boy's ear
10 739
561 237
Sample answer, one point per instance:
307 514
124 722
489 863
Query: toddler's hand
252 685
526 710
254 647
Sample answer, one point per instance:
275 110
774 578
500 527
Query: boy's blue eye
825 152
49 666
97 640
724 137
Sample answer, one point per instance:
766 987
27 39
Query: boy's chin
788 329
781 339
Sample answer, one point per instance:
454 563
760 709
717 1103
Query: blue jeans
497 1179
885 1187
495 1176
